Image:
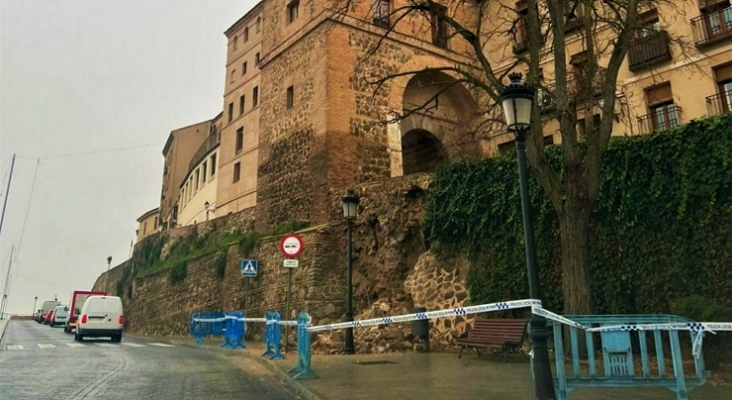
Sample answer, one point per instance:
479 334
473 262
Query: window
259 24
203 171
246 34
583 127
649 24
290 96
256 59
213 165
198 179
723 77
293 8
144 231
231 112
236 39
439 27
244 68
233 75
255 96
574 13
718 18
242 102
237 172
239 140
520 39
381 13
663 112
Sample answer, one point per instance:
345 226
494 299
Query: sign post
290 246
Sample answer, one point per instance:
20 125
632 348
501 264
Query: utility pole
7 193
4 303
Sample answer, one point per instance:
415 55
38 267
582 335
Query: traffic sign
290 263
249 268
291 245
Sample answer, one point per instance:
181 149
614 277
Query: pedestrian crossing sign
249 268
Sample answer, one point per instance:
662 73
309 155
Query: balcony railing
719 103
576 81
712 27
208 144
648 51
668 118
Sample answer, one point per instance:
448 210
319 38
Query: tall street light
109 262
35 300
517 101
350 207
206 205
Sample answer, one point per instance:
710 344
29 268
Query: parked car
45 308
101 316
47 319
59 315
38 316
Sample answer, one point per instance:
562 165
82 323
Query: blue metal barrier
235 330
273 336
207 323
302 369
215 323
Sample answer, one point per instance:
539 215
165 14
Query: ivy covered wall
662 229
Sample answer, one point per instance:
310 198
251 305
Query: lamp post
109 262
517 101
35 300
206 205
350 207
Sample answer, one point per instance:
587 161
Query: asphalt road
38 362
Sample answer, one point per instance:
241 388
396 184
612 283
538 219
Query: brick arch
422 152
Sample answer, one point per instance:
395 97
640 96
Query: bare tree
582 87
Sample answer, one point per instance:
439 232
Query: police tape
450 312
555 317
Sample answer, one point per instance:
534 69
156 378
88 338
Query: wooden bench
505 334
612 355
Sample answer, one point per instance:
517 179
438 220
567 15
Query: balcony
648 51
712 27
666 118
719 103
576 81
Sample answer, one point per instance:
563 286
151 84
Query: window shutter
659 94
723 73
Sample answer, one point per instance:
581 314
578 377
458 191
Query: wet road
39 362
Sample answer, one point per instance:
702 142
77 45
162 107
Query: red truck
77 301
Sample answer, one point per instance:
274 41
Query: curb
296 386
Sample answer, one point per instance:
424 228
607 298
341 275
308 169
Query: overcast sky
92 88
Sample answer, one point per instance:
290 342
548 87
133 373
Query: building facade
148 224
179 149
306 113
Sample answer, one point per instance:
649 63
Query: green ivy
662 225
179 272
220 264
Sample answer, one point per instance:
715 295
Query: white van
101 316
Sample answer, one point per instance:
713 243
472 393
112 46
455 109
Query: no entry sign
291 245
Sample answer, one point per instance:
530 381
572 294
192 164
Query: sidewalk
421 376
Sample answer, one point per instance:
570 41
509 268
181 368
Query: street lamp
350 207
35 300
206 205
109 262
517 101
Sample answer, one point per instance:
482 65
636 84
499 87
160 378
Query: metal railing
669 117
712 27
719 103
648 51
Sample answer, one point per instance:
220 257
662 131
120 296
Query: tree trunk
574 222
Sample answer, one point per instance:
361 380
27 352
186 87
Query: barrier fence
232 327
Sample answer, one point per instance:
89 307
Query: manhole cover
376 362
